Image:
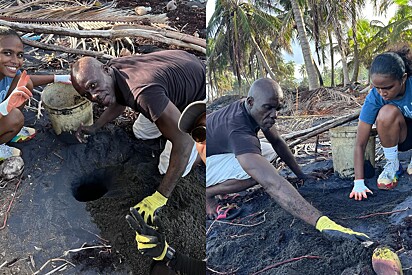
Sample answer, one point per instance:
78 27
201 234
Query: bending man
234 160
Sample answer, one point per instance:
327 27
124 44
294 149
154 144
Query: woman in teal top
389 106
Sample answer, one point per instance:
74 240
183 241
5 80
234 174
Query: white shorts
223 167
145 129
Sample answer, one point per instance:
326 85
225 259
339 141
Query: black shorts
407 144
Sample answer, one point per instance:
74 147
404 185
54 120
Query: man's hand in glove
19 95
149 241
148 206
330 228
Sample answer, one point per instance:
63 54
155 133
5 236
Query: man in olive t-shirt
234 158
158 85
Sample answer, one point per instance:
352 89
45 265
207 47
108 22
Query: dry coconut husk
11 168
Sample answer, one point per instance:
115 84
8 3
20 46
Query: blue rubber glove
359 190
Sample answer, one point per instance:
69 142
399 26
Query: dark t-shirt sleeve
152 101
243 143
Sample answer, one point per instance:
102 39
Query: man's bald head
94 80
265 86
265 97
83 66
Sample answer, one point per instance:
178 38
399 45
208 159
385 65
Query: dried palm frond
65 10
320 101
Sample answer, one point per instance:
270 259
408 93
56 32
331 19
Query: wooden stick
244 225
287 261
56 269
378 214
109 34
11 202
340 121
85 248
222 273
52 260
64 49
322 127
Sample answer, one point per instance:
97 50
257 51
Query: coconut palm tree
399 28
304 43
242 33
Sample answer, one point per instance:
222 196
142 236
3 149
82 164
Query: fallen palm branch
65 49
287 261
68 9
312 133
316 130
167 37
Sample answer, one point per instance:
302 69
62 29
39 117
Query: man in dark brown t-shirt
159 86
234 160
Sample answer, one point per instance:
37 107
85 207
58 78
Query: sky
297 52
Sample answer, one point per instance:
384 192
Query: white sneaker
409 170
7 152
388 179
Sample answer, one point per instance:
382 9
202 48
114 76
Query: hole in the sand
91 186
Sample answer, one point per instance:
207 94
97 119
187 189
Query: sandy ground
76 195
46 220
265 234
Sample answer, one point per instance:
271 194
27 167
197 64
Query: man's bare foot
211 205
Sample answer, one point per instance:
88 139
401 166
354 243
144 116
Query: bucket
343 146
66 108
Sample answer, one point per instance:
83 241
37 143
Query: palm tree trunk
332 60
304 43
338 32
355 46
318 73
262 59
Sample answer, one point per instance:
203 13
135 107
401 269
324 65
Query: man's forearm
283 151
111 112
179 157
278 188
290 200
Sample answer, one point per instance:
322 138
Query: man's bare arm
278 188
182 146
283 151
111 112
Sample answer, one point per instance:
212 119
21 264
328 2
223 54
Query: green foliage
401 2
239 30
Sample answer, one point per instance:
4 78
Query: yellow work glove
332 229
148 206
150 242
